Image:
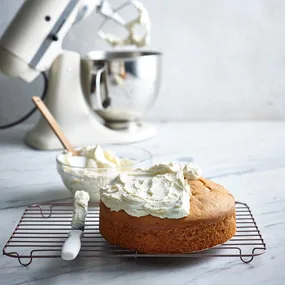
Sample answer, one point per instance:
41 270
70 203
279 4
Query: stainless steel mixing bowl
121 86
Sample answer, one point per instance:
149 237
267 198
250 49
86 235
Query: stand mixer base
45 139
131 126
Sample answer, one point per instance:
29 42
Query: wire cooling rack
43 229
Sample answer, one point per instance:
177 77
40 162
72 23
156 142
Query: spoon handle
53 124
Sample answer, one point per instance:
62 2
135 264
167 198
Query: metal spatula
72 245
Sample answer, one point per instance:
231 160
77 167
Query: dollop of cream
190 171
132 39
161 191
95 157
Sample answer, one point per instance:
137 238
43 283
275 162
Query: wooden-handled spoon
54 125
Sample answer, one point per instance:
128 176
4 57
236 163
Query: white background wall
223 59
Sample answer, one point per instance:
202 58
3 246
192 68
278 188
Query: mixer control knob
54 38
107 102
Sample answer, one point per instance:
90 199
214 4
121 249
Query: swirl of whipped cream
161 191
96 157
191 171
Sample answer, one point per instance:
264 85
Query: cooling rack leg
25 263
246 260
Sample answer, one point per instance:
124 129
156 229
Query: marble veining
248 158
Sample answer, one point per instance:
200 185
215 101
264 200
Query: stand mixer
81 90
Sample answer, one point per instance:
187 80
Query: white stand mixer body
68 105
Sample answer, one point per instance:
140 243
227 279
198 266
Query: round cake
210 222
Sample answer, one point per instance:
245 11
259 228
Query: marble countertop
248 158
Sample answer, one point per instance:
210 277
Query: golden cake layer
211 222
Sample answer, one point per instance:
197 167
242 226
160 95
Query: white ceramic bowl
91 179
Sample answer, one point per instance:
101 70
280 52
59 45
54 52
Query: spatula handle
72 245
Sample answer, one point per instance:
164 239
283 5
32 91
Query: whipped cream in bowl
96 166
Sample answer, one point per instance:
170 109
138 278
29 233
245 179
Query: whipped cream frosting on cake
161 191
